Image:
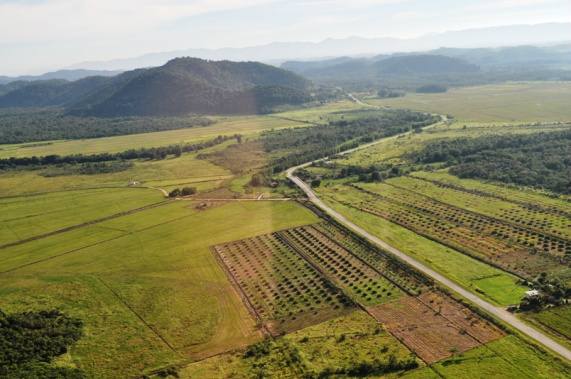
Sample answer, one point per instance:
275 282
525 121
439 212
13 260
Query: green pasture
462 269
146 285
525 195
501 104
332 344
506 358
225 126
322 114
557 319
154 173
29 216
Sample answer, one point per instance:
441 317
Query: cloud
63 19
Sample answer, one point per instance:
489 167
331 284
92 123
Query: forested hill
399 65
181 86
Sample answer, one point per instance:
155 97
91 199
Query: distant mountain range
442 60
61 74
276 53
181 86
397 65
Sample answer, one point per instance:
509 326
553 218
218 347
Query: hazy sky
41 35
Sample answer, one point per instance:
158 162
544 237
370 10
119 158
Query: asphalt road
498 312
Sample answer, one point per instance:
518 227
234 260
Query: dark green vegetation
539 160
29 341
432 88
181 86
94 164
290 147
18 125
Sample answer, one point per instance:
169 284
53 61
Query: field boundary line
139 317
79 226
244 297
95 244
558 334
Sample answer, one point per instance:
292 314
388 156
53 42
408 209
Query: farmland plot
408 280
362 282
515 248
283 290
434 326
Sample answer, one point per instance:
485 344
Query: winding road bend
490 308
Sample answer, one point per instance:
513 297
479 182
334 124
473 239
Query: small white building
533 294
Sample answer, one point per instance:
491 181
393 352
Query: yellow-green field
224 126
506 358
138 270
499 104
146 285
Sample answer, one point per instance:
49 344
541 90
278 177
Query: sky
43 35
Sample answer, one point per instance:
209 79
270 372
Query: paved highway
490 308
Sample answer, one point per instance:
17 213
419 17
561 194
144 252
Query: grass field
330 346
557 319
499 104
146 285
508 357
22 218
170 172
224 126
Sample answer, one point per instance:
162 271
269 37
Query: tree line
141 153
31 125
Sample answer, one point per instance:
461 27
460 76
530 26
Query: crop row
274 278
405 277
559 215
551 242
362 282
481 237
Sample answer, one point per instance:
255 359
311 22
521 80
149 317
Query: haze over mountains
276 53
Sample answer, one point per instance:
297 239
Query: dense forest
30 340
540 160
32 125
181 86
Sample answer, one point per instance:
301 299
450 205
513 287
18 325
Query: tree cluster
432 88
30 340
186 191
539 160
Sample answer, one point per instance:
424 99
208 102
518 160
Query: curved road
490 308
